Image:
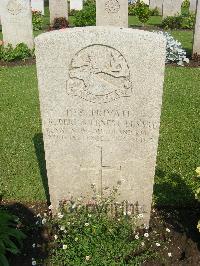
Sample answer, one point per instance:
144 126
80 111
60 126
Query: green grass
22 162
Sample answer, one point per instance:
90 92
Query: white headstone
196 44
156 4
171 7
58 9
76 4
146 2
193 5
112 12
100 96
16 19
37 5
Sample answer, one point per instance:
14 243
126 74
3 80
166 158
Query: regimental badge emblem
112 6
99 74
15 7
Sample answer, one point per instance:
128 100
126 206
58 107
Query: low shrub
37 20
10 236
174 51
172 22
131 9
142 12
93 235
86 16
60 23
73 12
20 52
179 22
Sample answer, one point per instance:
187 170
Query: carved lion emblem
112 6
15 7
99 74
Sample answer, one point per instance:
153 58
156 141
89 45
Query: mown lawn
22 170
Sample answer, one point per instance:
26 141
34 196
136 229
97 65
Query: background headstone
38 5
146 2
172 7
58 9
76 4
156 4
16 19
112 12
193 5
196 44
100 96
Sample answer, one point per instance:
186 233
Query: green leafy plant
37 20
142 12
131 9
186 4
10 237
20 52
188 22
98 232
172 22
154 12
86 16
60 23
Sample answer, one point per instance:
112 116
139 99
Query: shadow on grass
39 150
35 234
178 206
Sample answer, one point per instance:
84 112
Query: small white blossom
146 235
62 228
34 245
142 244
140 216
158 244
136 236
129 213
68 223
86 224
87 258
64 247
169 254
60 216
76 239
55 237
168 230
34 262
44 220
89 215
50 207
39 215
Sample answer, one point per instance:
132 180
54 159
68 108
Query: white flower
76 239
158 244
64 246
55 237
86 224
168 230
50 207
169 254
146 235
142 244
34 245
62 228
136 236
89 215
39 215
44 220
60 216
140 216
87 258
34 262
68 223
129 213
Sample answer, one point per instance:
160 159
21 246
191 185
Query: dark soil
27 62
183 240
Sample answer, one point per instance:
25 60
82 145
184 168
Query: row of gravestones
170 7
100 97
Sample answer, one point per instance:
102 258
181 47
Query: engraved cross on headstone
102 167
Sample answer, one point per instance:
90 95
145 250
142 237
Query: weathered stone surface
112 13
76 4
171 7
58 9
38 5
100 96
193 5
156 4
196 44
16 19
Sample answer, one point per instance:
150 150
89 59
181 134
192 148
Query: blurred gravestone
171 7
193 5
76 4
58 9
112 12
16 19
196 44
156 4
